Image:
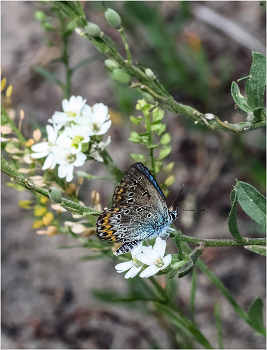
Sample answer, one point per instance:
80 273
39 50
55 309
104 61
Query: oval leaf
232 220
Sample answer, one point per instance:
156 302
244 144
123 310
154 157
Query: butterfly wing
139 209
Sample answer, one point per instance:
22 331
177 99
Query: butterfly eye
130 194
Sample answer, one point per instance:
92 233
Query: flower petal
167 260
40 147
39 155
159 247
104 128
144 259
150 253
137 250
149 271
48 162
65 105
132 272
62 171
69 176
124 266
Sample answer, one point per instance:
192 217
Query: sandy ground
47 297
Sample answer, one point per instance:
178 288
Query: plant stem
150 141
224 242
123 36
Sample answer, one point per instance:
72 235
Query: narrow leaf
239 99
257 249
256 316
218 325
48 76
252 202
193 295
232 219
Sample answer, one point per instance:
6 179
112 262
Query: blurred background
47 294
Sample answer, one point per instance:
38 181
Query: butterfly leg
165 235
126 247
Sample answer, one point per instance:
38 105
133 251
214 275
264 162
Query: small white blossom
134 266
94 152
72 109
95 120
67 162
47 149
73 137
209 116
154 258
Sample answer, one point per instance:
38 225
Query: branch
224 242
44 190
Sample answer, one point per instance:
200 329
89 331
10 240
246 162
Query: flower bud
121 78
55 195
148 98
113 18
149 73
92 29
112 64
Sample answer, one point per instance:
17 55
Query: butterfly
139 211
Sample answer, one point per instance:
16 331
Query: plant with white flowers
153 257
69 137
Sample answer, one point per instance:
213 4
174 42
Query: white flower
94 151
154 258
96 121
67 162
72 109
73 137
47 149
134 266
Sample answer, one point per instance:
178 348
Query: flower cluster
153 257
68 138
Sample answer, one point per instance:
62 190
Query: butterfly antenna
178 195
192 209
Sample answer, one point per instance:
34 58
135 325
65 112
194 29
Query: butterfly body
139 211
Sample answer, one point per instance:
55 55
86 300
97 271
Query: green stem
123 36
224 242
150 141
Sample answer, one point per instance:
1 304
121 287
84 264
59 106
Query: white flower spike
154 257
134 266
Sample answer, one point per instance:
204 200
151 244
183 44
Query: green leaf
193 295
218 325
257 249
86 61
164 151
71 246
259 114
137 157
255 85
256 316
170 180
158 165
165 139
16 186
252 202
134 137
152 146
135 120
239 99
91 257
156 122
157 114
169 167
48 76
161 130
232 219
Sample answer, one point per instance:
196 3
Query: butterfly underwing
139 211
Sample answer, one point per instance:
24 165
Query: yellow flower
9 91
3 84
43 200
29 143
37 224
39 210
48 218
25 204
51 231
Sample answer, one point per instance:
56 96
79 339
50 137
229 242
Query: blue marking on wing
148 174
